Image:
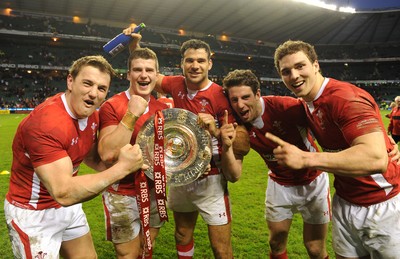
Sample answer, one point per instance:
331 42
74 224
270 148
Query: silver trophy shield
187 146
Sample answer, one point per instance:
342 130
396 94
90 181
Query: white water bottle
119 42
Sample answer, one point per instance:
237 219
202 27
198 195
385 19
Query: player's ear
258 94
316 66
70 80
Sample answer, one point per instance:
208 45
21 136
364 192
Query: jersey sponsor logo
331 150
366 123
22 205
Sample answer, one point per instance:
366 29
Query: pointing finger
275 139
225 117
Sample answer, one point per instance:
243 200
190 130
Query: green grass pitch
249 230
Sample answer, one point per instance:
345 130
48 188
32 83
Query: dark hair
195 44
240 77
290 47
144 53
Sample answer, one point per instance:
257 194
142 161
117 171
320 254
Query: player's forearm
353 162
110 145
134 44
93 159
96 164
231 167
85 187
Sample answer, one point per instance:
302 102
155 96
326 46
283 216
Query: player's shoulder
53 107
53 119
216 89
281 102
115 102
117 98
341 88
341 92
174 79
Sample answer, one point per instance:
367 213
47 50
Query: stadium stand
36 51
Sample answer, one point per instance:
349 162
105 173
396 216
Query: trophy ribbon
141 184
143 202
160 180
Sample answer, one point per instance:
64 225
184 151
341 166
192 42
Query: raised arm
113 137
134 44
231 164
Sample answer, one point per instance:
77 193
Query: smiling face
245 103
300 75
195 66
142 77
87 91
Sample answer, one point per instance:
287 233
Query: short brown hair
144 53
95 61
240 77
195 44
290 47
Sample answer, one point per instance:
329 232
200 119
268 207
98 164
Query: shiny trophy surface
187 146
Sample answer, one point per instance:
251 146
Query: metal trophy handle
187 146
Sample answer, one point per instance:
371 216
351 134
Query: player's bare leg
134 248
185 222
78 248
278 235
220 239
130 249
314 236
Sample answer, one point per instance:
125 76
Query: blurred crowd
44 64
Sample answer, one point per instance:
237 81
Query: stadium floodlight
332 7
318 4
347 9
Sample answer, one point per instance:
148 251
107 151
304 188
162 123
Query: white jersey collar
81 122
192 93
258 122
310 105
